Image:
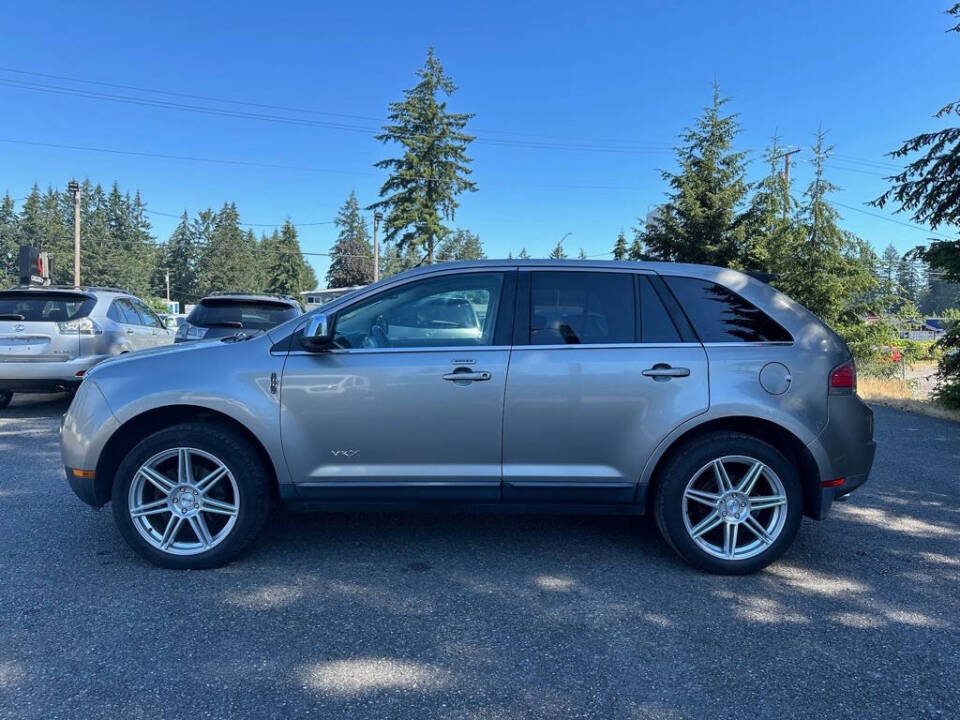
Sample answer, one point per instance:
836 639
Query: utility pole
377 217
166 276
786 178
74 187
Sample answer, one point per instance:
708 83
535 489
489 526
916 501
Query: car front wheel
729 503
191 496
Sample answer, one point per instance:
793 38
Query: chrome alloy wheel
184 501
734 507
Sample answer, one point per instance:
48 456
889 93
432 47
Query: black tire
684 463
5 397
246 466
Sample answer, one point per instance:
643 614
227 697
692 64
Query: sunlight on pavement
816 583
897 523
267 597
11 673
551 582
350 677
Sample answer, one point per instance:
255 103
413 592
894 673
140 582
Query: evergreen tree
9 221
701 221
558 253
30 227
831 271
887 272
421 192
637 251
524 255
461 245
910 280
181 262
285 276
582 255
928 189
351 259
620 249
228 262
769 223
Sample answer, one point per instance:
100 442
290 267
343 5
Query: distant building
321 296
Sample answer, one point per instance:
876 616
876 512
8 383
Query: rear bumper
846 448
46 376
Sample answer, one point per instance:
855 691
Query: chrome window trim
607 346
428 349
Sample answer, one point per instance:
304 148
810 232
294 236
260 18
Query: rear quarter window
720 315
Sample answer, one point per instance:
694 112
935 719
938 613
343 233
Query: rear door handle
662 371
130 331
465 376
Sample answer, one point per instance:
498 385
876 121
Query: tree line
205 253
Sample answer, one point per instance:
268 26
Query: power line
222 112
243 224
279 166
892 220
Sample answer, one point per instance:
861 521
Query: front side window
146 315
720 315
582 308
454 310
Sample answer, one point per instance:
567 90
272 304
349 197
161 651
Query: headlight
80 326
186 331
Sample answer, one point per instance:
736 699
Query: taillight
844 377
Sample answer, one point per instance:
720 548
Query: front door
408 402
599 375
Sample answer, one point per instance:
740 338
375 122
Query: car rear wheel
5 398
191 496
729 503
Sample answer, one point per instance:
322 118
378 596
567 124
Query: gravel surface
436 616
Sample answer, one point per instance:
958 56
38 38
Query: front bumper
84 432
46 376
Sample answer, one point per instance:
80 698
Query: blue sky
554 85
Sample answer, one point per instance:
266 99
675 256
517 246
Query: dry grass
902 395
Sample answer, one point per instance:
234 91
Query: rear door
599 375
29 329
154 333
135 333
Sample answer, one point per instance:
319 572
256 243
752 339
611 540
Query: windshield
44 306
241 314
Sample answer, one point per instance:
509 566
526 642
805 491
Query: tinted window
655 323
453 310
240 314
146 315
720 315
127 314
33 306
575 308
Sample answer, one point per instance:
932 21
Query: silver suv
696 394
51 336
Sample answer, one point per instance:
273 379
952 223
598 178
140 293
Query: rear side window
146 315
240 314
582 308
33 306
720 315
656 326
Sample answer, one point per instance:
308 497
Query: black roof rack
78 288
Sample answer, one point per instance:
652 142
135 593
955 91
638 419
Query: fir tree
769 222
181 262
285 275
421 192
461 245
351 259
9 220
227 262
582 255
701 221
558 253
637 251
620 248
831 271
524 255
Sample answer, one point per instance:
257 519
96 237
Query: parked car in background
225 314
697 394
50 336
171 321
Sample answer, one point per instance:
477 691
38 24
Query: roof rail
79 288
763 277
220 293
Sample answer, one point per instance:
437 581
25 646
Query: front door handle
663 372
465 375
130 332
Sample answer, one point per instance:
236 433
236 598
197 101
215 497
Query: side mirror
318 333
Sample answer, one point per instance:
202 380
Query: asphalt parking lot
423 616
